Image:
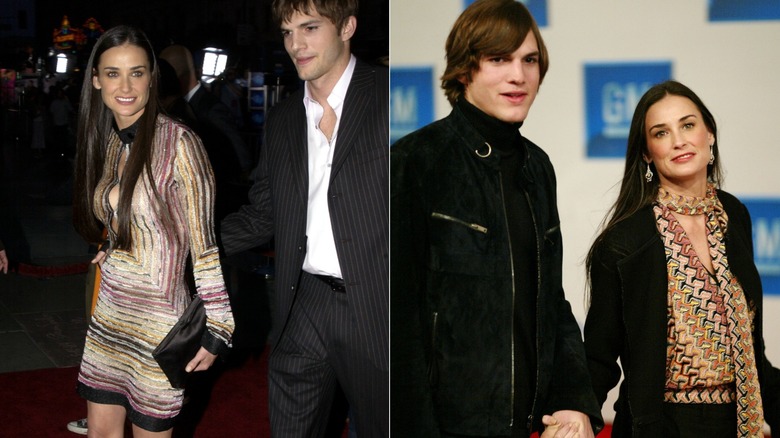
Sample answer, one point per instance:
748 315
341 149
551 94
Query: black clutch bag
182 343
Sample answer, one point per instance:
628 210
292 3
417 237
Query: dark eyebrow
501 55
137 67
309 23
664 124
304 24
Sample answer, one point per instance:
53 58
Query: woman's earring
649 173
712 156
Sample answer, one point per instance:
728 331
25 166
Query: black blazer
627 318
358 203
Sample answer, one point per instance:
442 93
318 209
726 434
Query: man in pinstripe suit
321 190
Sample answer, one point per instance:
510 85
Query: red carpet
51 271
40 403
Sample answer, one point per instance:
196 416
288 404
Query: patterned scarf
750 416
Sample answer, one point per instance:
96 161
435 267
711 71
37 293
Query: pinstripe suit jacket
357 199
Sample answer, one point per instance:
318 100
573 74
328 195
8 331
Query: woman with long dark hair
675 294
147 180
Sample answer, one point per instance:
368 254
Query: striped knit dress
143 290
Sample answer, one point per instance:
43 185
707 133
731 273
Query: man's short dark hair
337 11
487 28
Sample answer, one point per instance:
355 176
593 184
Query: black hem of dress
145 422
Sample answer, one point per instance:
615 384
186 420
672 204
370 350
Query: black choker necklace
126 135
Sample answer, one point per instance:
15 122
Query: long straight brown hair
635 192
94 128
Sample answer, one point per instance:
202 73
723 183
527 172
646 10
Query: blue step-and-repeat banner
611 93
765 215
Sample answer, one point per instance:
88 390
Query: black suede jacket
452 290
627 318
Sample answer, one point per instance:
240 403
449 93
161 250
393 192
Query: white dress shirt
321 257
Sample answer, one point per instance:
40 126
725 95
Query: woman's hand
201 362
567 424
99 258
3 262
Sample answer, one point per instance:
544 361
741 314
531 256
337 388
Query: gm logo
611 94
765 214
744 10
537 8
411 100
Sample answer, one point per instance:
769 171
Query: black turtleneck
506 141
502 135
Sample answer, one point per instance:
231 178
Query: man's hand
567 424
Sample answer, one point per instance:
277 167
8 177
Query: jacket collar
639 233
358 100
478 148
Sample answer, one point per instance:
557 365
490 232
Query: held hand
3 262
551 426
567 424
99 258
202 361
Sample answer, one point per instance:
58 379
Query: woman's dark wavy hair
635 192
487 28
94 127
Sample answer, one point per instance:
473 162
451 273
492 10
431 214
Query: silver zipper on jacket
538 310
512 318
433 379
475 227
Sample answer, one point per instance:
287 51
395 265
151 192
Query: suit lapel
358 99
299 154
194 101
